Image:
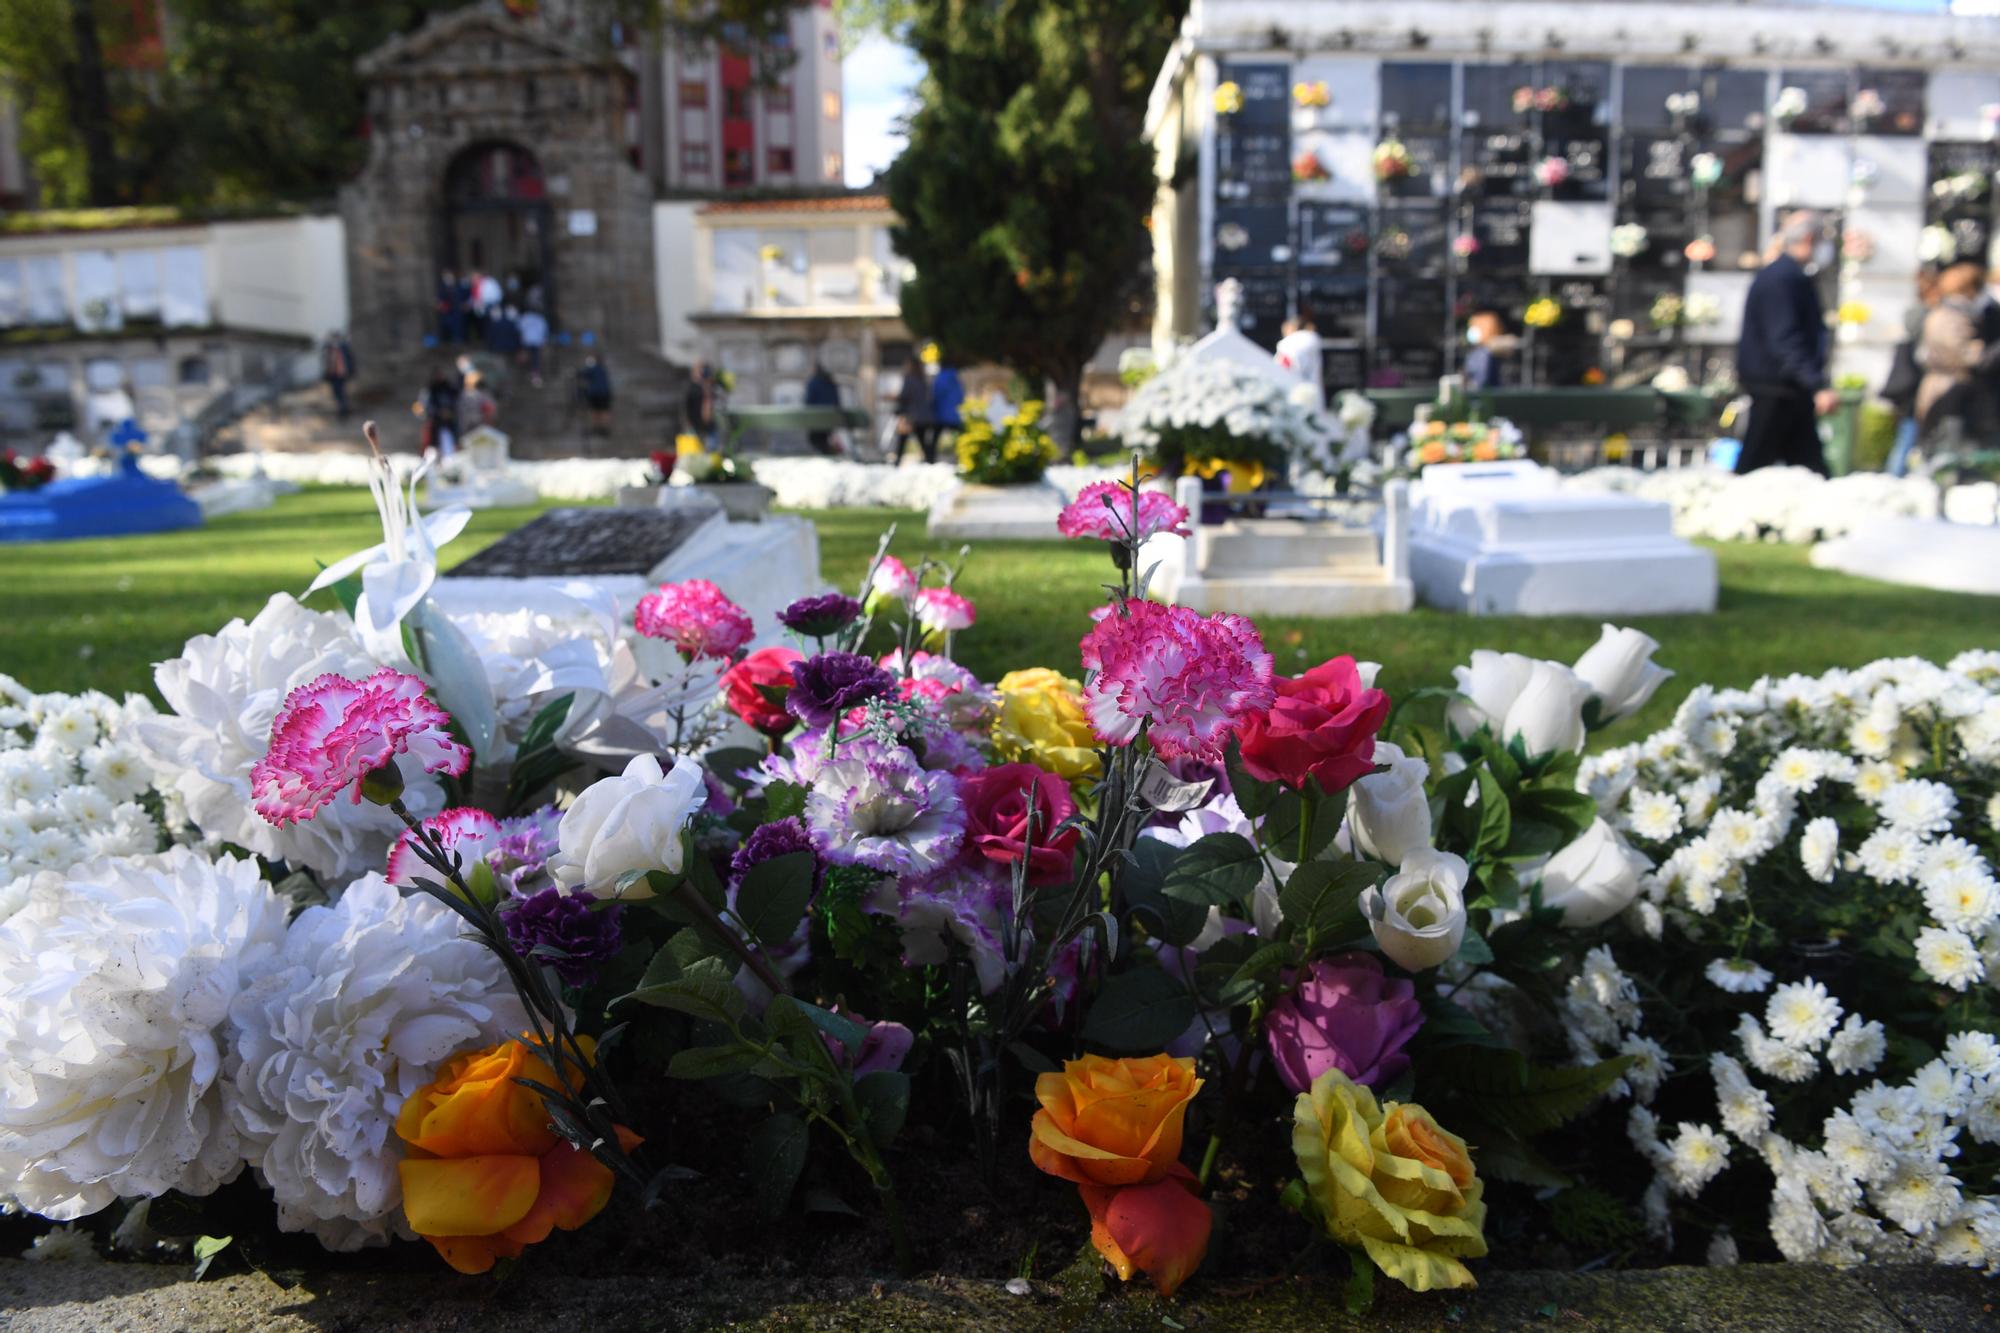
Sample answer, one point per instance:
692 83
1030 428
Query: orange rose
485 1174
1114 1127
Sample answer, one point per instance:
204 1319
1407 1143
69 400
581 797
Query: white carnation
355 1013
119 976
224 692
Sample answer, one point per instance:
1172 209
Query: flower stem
698 907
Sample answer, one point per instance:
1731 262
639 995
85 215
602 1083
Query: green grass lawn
99 613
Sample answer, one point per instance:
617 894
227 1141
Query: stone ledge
1756 1298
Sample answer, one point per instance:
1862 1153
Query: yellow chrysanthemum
1391 1181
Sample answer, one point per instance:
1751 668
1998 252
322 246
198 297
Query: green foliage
1216 871
771 901
1585 1215
1138 1011
1024 185
1504 1089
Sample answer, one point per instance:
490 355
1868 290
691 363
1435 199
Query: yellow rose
1042 722
1392 1182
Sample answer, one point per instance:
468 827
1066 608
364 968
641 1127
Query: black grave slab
585 542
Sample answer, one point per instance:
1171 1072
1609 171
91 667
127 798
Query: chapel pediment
481 38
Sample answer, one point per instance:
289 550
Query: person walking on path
594 381
1950 352
336 367
698 405
450 309
913 412
476 407
1906 376
947 400
1781 356
534 337
821 391
1301 353
437 408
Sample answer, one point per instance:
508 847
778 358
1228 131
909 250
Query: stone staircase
1287 566
541 422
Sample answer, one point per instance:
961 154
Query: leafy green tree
1024 188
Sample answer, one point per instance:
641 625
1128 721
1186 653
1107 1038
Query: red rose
757 687
998 802
1322 725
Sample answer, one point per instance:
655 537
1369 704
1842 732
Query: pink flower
893 579
469 832
1345 1015
1103 509
333 732
696 618
1552 171
1187 675
940 610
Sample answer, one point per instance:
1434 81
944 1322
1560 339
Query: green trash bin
1839 429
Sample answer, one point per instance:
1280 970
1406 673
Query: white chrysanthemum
1888 1113
62 1245
1940 1090
1854 1150
1745 1110
1718 737
1858 1047
1695 1156
1966 900
1873 780
1769 1056
1918 806
1993 812
1738 976
73 728
1952 856
1739 833
1802 1014
1918 1196
27 778
78 804
1797 1227
1949 957
1819 849
1982 1110
1969 1239
1868 736
1653 815
1891 855
1977 1053
117 769
1649 1068
1698 800
225 690
119 975
356 1012
1797 770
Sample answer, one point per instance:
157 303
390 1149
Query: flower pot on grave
639 497
741 501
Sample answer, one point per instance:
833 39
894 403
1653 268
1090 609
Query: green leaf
884 1099
776 1153
1322 898
727 761
542 729
1502 1156
1248 979
1322 814
1139 1010
1570 812
784 800
841 1028
1219 870
207 1247
1528 1099
1253 795
1142 878
771 900
1447 1024
1473 950
713 1061
705 990
1496 819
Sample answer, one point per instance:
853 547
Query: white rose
1594 878
1541 702
1389 812
1418 916
630 822
1620 671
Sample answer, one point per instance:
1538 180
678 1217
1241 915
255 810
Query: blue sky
879 78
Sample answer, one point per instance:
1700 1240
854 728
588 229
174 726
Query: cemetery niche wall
1604 177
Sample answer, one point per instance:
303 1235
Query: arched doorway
497 220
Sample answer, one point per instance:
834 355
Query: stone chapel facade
500 147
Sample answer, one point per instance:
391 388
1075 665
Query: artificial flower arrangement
1790 103
1312 95
1549 98
1699 251
1487 440
1552 171
1465 245
1628 240
1014 454
1392 160
477 924
1544 312
1806 973
24 474
1705 170
1200 414
1228 98
713 467
1307 167
662 461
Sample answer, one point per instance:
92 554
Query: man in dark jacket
1781 357
821 391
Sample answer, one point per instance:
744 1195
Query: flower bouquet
24 474
1392 160
1221 416
1015 454
1484 441
1544 312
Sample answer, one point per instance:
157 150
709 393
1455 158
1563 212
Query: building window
736 104
830 104
778 161
737 167
778 101
694 159
694 92
832 172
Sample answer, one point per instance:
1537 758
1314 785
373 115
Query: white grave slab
1919 552
1973 502
1005 513
1570 239
479 475
1505 539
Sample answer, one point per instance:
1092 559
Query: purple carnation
521 857
826 685
768 842
587 935
820 616
880 808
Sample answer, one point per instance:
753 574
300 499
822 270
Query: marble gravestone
1503 539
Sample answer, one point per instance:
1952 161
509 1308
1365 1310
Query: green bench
738 421
1539 409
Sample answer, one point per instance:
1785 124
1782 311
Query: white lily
396 580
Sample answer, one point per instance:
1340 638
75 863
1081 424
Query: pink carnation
696 618
469 832
1188 675
333 732
893 579
1103 509
940 610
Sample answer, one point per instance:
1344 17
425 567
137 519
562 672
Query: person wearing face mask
1781 356
1488 341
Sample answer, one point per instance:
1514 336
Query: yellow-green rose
1390 1181
1042 722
